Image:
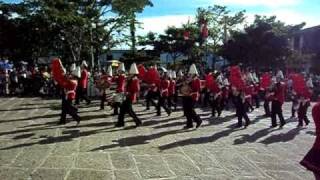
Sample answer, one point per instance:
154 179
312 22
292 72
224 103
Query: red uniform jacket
316 118
164 88
195 87
121 80
84 79
133 88
172 87
70 87
211 84
279 93
249 90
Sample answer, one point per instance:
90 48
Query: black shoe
147 109
138 124
247 124
199 123
282 124
187 127
89 102
299 125
238 125
307 123
119 125
61 122
273 125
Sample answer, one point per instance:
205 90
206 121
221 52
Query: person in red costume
278 98
69 85
191 95
312 160
172 90
214 90
83 85
132 90
164 95
255 95
103 84
249 90
304 104
153 81
206 89
120 81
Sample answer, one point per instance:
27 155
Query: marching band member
152 77
172 90
164 95
103 84
302 111
132 90
83 84
69 84
239 102
190 98
120 80
312 160
238 86
278 97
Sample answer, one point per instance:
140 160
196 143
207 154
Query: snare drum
119 97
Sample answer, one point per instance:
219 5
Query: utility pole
91 47
225 29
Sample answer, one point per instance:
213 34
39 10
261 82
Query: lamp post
91 46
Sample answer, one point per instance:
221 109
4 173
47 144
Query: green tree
129 9
263 44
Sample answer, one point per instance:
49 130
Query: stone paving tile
126 175
63 162
97 161
122 161
30 158
211 177
66 148
152 167
282 175
79 174
13 174
49 174
88 144
181 165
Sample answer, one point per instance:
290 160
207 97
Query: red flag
236 78
299 85
186 35
204 30
152 76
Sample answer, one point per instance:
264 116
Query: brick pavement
32 146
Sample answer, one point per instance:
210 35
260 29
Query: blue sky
175 12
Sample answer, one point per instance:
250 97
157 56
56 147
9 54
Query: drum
119 97
185 90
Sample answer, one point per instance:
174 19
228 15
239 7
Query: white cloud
269 3
158 24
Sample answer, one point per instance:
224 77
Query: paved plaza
33 146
